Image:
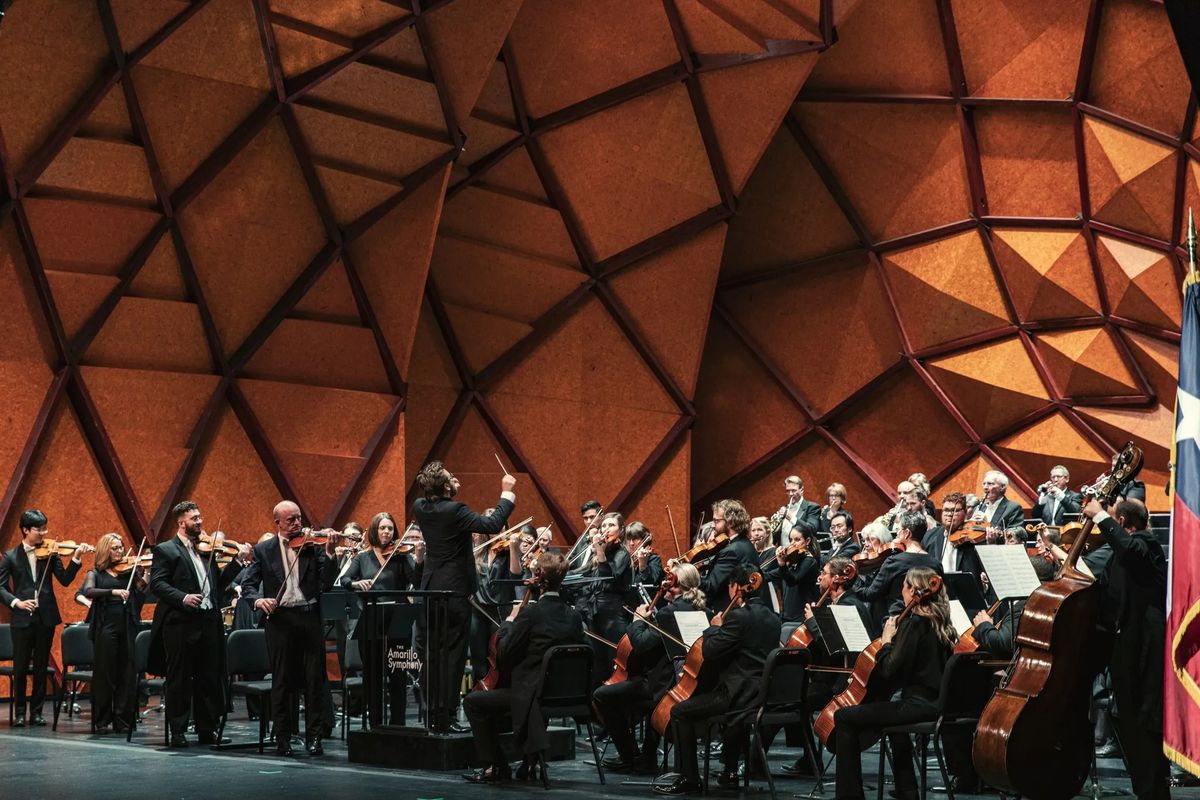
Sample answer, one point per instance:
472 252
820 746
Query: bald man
285 583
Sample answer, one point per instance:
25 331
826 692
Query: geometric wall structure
648 252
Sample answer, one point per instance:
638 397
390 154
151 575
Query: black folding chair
149 686
565 690
353 663
9 671
246 654
780 702
77 651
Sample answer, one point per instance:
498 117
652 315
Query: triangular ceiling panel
523 225
160 276
1052 441
1159 362
1140 283
993 386
138 20
969 480
483 336
322 353
110 118
347 19
1048 273
1130 178
1086 363
299 52
516 174
350 195
144 333
219 43
1152 431
330 299
382 488
77 296
1020 48
665 487
710 30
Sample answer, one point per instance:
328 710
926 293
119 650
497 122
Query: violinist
798 573
579 557
885 591
607 597
386 564
911 662
621 706
25 589
112 626
516 548
521 642
647 566
949 542
735 649
841 537
768 561
285 582
353 532
187 640
730 519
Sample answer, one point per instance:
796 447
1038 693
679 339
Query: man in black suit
24 589
797 509
954 557
994 509
1137 583
735 649
731 518
187 640
285 583
521 643
450 566
1055 498
841 538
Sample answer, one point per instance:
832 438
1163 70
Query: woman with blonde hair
911 662
112 626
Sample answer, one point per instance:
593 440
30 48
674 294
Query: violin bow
674 533
653 627
481 610
395 549
133 572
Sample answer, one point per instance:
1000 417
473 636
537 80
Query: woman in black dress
379 568
112 627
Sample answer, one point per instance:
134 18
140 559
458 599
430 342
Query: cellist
621 706
911 662
735 649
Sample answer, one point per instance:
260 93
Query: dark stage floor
73 763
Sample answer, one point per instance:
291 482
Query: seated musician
911 663
884 591
621 706
647 566
841 537
735 648
521 642
798 575
730 518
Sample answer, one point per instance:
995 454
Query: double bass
803 636
1040 713
864 666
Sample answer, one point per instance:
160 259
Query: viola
803 636
1043 705
689 679
860 687
871 560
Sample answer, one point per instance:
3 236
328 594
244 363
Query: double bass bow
864 666
1040 714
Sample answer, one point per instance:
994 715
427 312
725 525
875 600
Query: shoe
964 785
314 747
679 785
1108 750
457 727
37 720
728 779
210 738
620 764
178 740
19 722
800 769
497 773
284 749
530 771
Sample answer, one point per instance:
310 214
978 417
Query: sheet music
1082 566
958 617
1009 570
850 626
691 625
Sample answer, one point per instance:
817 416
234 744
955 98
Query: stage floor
73 763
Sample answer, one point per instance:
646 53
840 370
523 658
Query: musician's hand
245 552
79 551
671 564
192 600
889 630
27 605
639 562
267 605
121 593
808 614
981 618
419 552
983 581
643 611
361 586
717 620
994 535
1092 508
507 483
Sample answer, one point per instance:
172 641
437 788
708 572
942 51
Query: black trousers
113 681
620 708
445 660
296 647
31 643
490 714
857 727
685 733
479 639
194 685
1141 743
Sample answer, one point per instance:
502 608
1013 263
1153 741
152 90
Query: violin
216 543
973 533
803 635
322 537
1044 703
864 666
871 560
689 679
52 547
790 553
144 561
702 551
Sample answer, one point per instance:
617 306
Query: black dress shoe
497 773
530 771
679 785
284 749
620 764
728 779
1108 750
964 785
37 719
208 737
178 740
314 747
801 768
19 722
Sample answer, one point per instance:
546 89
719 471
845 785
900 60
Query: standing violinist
285 583
735 649
647 566
651 672
911 662
24 589
730 519
187 639
385 565
113 624
613 568
798 574
884 593
956 553
521 643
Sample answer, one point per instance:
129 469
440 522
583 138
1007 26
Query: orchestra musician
729 518
35 616
796 509
841 537
885 591
911 662
836 493
994 509
799 575
521 642
621 706
760 536
447 526
494 597
1055 498
113 624
647 565
580 556
954 557
735 649
187 641
606 598
285 583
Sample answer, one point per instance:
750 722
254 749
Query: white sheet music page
850 626
958 617
691 625
1009 570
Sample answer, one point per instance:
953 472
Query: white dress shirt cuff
13 604
1100 517
509 496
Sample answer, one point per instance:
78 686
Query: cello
495 679
803 636
689 679
864 666
620 671
1040 713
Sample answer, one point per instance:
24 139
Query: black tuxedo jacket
737 650
520 646
847 549
883 592
265 577
653 652
715 584
16 583
1007 515
172 577
968 559
1069 503
447 526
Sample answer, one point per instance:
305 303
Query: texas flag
1181 696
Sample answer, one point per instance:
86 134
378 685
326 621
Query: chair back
786 631
246 652
785 677
141 653
353 656
6 642
77 647
565 686
966 686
